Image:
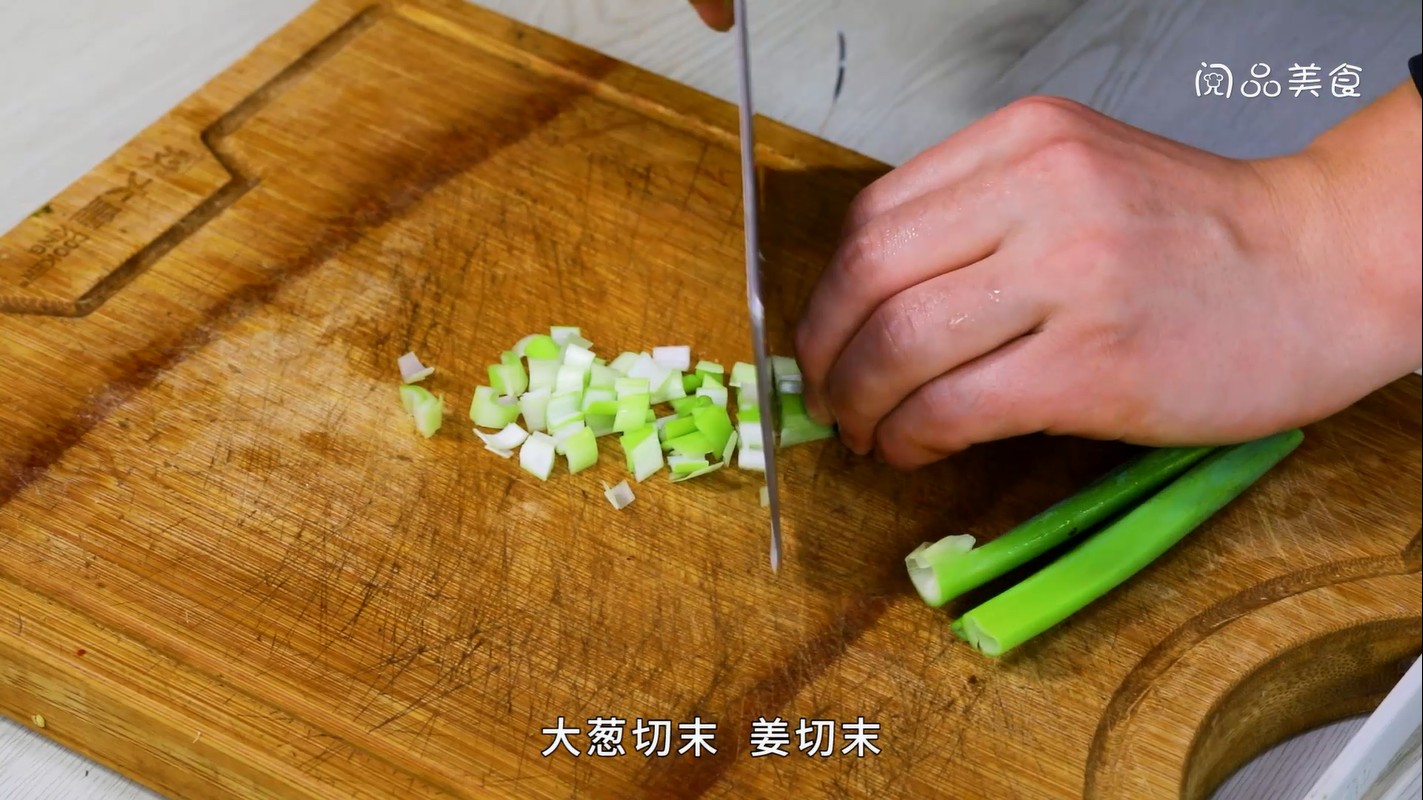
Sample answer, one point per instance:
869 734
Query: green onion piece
600 401
624 362
691 382
627 386
562 333
725 459
746 397
684 405
714 392
562 432
783 367
941 574
534 406
651 416
743 374
753 459
677 427
571 378
798 427
683 465
601 377
411 370
706 369
669 389
508 377
563 408
751 414
602 424
713 423
620 496
695 443
750 433
628 419
644 454
412 396
543 373
540 346
536 456
576 356
581 450
1109 557
429 414
490 410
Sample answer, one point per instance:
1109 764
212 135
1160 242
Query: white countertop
80 77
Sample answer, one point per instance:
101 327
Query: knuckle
870 203
862 259
1040 114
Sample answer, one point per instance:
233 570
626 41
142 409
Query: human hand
717 14
1049 269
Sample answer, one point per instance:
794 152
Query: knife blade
751 214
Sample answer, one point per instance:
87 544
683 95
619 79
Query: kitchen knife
751 214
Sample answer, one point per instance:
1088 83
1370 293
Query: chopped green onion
682 406
411 370
620 496
427 410
563 408
750 433
624 362
713 391
714 423
669 389
601 377
695 443
725 459
751 459
751 414
490 410
506 440
743 374
627 386
600 401
562 432
538 346
508 377
707 369
579 357
1109 557
651 416
534 406
537 455
682 465
678 357
602 424
797 427
644 453
678 426
543 373
577 341
784 367
571 378
691 382
581 449
412 396
948 568
765 496
562 333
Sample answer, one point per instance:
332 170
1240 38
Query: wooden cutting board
230 568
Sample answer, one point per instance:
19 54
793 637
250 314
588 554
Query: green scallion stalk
543 373
941 573
1109 557
541 346
691 382
678 427
710 369
624 362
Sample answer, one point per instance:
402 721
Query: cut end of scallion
928 560
967 628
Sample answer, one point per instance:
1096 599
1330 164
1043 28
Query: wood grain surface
235 571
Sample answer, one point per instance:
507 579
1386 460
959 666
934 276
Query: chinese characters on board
815 738
1299 81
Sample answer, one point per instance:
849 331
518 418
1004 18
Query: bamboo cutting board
230 568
